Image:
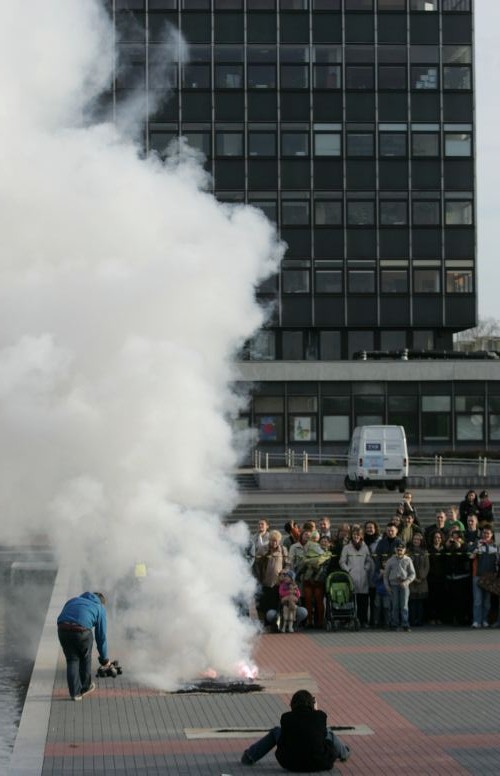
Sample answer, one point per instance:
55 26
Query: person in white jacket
399 573
356 559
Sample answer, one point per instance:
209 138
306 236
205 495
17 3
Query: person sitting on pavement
357 561
304 743
399 573
78 618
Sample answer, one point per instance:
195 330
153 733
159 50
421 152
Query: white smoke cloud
125 291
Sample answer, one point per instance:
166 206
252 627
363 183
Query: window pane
392 340
426 281
229 143
294 213
262 346
328 213
436 427
457 77
329 282
196 77
470 427
302 428
459 282
262 144
361 282
394 281
436 403
359 77
423 340
392 5
336 428
393 213
360 213
458 213
229 76
456 5
292 346
425 144
360 144
294 76
426 213
261 76
294 143
457 54
423 77
423 5
392 77
458 144
327 77
268 404
392 143
295 281
327 144
267 206
329 343
199 140
358 5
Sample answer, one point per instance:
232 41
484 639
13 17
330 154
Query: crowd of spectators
404 574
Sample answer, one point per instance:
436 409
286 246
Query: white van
378 457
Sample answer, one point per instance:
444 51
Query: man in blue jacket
78 618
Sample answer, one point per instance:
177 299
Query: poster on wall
302 430
268 429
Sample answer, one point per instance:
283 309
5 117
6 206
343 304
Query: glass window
361 281
304 404
359 77
392 340
360 144
261 76
458 213
436 403
393 213
295 281
392 144
328 281
229 4
327 143
229 143
358 5
302 428
326 5
456 5
329 345
262 346
261 5
199 140
425 144
392 77
426 281
327 212
271 404
392 5
267 206
295 212
423 77
457 54
262 143
458 144
292 345
457 77
423 5
270 428
336 428
423 339
360 213
424 54
229 76
196 77
159 141
294 5
327 77
394 281
294 143
435 426
359 340
294 76
470 427
459 282
426 213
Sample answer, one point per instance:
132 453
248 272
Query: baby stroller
341 610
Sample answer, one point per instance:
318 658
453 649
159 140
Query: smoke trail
125 289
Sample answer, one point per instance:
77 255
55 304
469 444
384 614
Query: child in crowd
399 573
289 595
303 741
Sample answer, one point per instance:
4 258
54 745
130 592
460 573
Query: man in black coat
304 743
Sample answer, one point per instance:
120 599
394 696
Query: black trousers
77 648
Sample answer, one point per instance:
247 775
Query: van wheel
402 486
391 485
349 484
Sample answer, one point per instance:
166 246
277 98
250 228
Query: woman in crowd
484 557
372 538
357 561
458 580
436 580
419 588
268 568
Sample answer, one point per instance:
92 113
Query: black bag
490 582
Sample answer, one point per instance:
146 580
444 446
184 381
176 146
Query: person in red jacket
304 743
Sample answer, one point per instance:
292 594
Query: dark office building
350 123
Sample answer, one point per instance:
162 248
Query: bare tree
486 327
